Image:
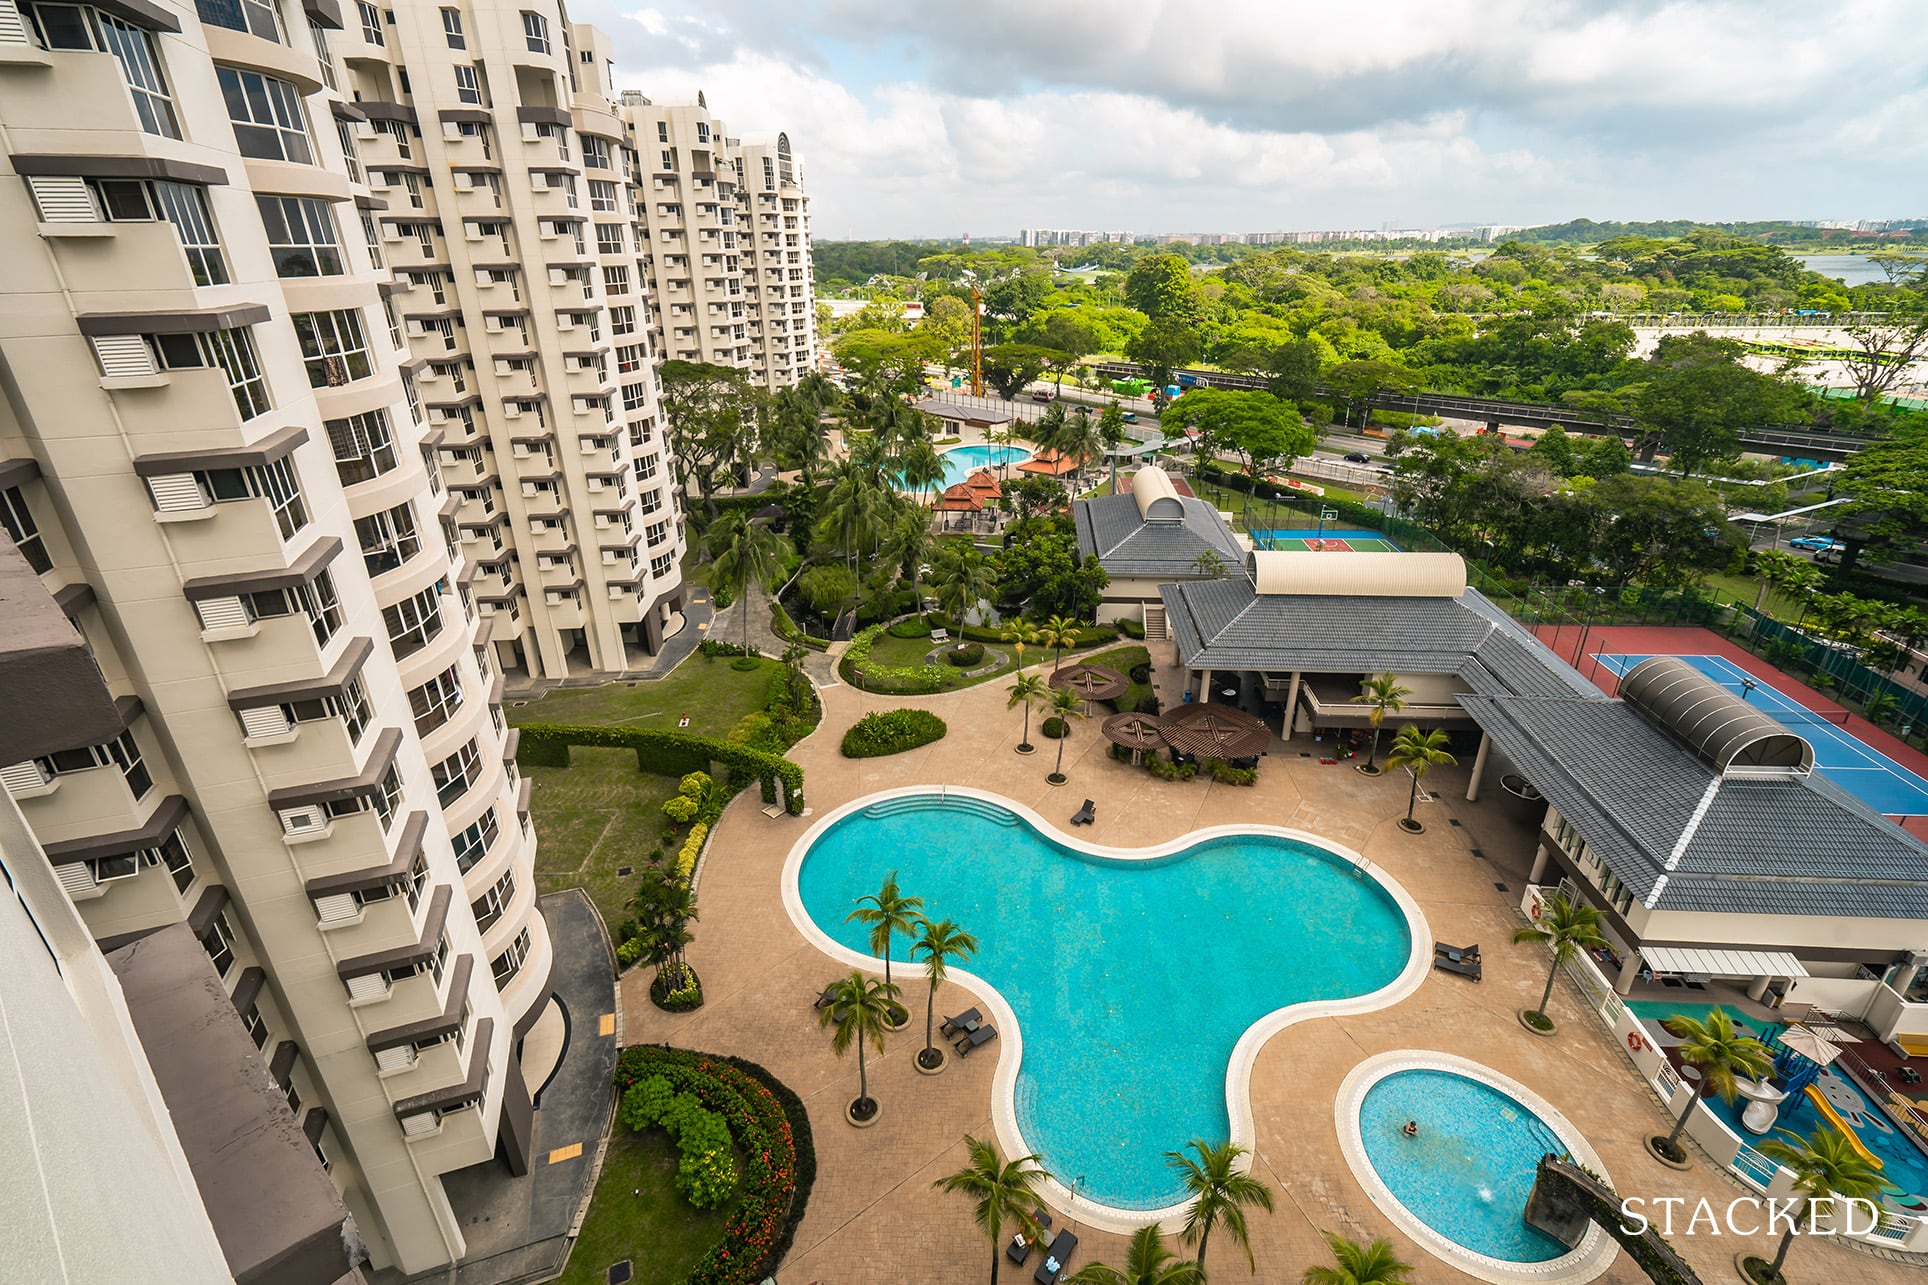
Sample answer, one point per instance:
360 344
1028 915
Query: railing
1755 1167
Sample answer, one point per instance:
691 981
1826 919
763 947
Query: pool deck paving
873 1215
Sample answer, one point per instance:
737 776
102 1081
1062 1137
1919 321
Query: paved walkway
873 1216
728 628
698 617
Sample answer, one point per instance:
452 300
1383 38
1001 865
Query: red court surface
1578 645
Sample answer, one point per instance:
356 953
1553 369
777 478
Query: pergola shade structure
1092 682
1215 731
1719 726
1135 732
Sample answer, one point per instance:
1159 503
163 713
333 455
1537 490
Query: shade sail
1722 963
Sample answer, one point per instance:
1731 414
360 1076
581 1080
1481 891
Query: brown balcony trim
266 451
14 472
466 116
468 573
74 598
326 13
281 1067
314 1122
161 167
332 683
248 989
171 812
376 876
401 956
200 320
447 1023
545 116
142 13
377 110
371 203
469 1090
510 743
366 781
213 899
450 507
497 687
522 797
346 110
304 569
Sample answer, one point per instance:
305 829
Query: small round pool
1460 1185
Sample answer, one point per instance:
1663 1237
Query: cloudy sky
916 119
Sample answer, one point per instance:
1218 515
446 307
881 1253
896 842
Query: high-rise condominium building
727 228
235 372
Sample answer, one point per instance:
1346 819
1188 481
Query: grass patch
593 816
1124 660
910 652
1777 604
710 690
661 1232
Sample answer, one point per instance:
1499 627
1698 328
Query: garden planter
937 1051
863 1122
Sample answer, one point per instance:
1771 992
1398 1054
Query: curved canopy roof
1357 575
1716 724
1158 499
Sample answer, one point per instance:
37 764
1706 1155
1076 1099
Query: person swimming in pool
1412 1129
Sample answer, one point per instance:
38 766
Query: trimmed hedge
1054 727
770 1129
1132 629
965 656
915 680
664 753
891 731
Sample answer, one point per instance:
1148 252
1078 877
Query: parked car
1131 417
1358 457
1044 396
1817 544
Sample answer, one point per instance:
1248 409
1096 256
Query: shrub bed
711 648
891 731
915 680
686 1000
1053 727
912 628
965 656
772 1135
1132 629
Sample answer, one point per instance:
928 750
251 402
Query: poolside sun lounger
1465 968
1055 1259
1020 1249
982 1035
1086 814
1458 954
954 1024
828 997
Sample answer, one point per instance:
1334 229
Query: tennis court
1331 540
1839 755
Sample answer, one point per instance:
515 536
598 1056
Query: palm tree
1026 690
1004 1191
1220 1189
1419 753
1207 565
1080 439
922 468
1148 1262
1374 1264
1060 634
1065 705
743 553
964 578
1825 1164
1020 634
888 912
853 510
1385 696
1719 1050
1567 927
860 1009
940 943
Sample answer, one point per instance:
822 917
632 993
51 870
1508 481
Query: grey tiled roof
1790 845
1127 545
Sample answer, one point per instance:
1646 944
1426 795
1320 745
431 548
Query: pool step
945 803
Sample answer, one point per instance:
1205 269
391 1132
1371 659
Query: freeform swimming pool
962 461
1133 977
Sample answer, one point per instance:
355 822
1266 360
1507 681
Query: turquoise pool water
1131 980
962 461
1469 1172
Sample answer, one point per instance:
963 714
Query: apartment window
452 28
602 197
371 23
622 320
350 160
333 347
456 773
279 486
256 17
595 151
635 397
615 281
257 1028
535 30
121 752
364 447
468 87
560 135
662 131
413 622
609 238
474 842
301 236
489 906
319 35
174 855
659 566
435 702
506 965
268 122
181 204
218 942
387 797
669 158
388 539
67 26
26 534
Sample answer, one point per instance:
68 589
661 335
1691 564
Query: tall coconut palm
888 912
852 511
1027 690
1219 1190
1147 1262
1419 753
860 1009
1825 1164
1384 694
1080 439
1020 634
939 943
1005 1192
921 468
1060 634
1065 706
1374 1264
1722 1053
744 553
1566 926
962 578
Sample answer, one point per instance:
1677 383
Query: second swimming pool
1131 980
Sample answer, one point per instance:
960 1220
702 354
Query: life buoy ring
1633 1040
1535 912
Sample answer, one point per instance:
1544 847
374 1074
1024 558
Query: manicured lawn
713 694
658 1230
911 651
1124 659
1777 604
591 818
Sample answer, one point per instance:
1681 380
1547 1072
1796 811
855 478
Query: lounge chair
1458 954
1086 814
1020 1249
1465 968
982 1035
828 997
958 1023
1056 1258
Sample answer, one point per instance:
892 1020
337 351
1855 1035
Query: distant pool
962 461
1132 979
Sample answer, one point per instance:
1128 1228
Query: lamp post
1747 687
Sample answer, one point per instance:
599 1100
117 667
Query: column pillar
1479 768
1759 988
1540 858
1292 704
1628 972
1204 685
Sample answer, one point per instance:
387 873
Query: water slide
1833 1117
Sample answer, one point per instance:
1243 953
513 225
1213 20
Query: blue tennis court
1840 756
